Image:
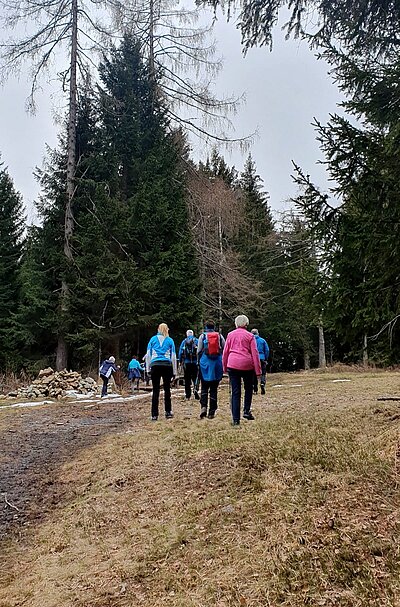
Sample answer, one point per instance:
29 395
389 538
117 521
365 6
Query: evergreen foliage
134 263
11 233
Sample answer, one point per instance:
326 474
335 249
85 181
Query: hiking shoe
196 395
236 422
169 415
256 391
154 418
211 415
262 389
203 412
248 415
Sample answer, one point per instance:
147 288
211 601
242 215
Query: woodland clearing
101 507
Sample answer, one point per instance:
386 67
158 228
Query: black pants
263 374
235 377
190 374
105 384
157 372
209 388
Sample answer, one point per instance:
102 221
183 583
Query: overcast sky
285 89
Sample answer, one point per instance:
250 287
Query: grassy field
300 507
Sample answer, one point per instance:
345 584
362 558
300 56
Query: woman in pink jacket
242 361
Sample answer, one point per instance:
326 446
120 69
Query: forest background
133 231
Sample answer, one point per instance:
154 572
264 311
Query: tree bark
152 67
62 347
307 365
365 350
321 346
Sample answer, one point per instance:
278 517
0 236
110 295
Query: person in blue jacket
210 371
161 362
107 368
188 359
134 372
263 351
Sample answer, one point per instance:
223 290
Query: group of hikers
243 355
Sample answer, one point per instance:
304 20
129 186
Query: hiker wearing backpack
188 360
263 352
161 361
242 361
210 348
107 368
134 373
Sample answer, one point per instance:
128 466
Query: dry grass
300 507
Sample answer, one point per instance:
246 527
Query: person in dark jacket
107 368
188 359
263 351
210 370
161 361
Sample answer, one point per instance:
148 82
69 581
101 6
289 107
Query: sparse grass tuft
300 507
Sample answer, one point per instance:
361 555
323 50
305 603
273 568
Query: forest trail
100 507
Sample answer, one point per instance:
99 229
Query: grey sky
285 90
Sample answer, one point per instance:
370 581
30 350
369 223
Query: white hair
189 333
254 331
241 321
112 359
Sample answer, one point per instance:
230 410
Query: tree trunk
62 348
321 346
306 360
152 67
365 350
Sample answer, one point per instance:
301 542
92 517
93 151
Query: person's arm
148 356
181 347
255 356
200 346
225 353
173 358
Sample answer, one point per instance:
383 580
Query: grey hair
189 333
241 321
111 359
254 331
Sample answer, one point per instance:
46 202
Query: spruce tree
134 252
11 232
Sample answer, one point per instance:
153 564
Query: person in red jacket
242 361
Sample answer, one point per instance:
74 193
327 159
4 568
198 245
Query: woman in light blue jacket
161 362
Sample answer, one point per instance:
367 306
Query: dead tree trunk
365 350
321 346
307 365
62 347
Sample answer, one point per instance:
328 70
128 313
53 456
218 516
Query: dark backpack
212 344
190 350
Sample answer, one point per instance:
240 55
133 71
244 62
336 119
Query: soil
35 442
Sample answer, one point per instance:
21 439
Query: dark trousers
105 384
209 388
190 374
263 375
157 372
235 377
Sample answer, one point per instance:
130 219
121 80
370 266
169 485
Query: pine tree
134 252
11 232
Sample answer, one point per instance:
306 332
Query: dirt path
36 441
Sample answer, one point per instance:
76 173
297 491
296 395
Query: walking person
241 360
161 361
210 348
134 373
107 368
188 360
263 352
